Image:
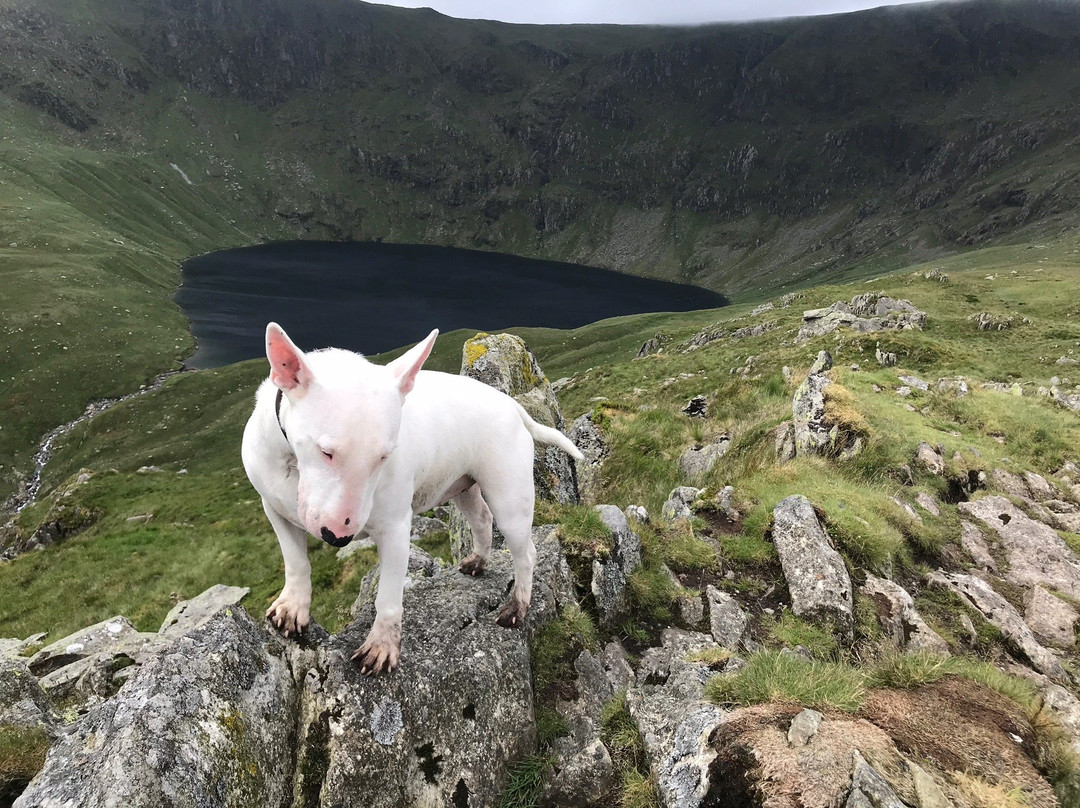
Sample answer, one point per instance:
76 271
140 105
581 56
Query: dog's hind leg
290 613
478 515
512 503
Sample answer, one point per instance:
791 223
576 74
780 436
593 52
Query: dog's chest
437 492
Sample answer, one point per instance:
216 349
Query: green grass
789 631
526 782
22 754
771 676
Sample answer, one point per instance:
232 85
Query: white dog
338 446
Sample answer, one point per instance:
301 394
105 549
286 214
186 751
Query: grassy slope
207 526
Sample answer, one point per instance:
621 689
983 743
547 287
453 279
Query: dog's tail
545 434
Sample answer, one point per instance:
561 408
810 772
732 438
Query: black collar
277 412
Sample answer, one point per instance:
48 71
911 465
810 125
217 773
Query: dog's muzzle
334 541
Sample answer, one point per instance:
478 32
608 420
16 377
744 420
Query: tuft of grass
620 735
526 782
437 545
556 644
639 790
790 630
651 593
549 726
842 412
583 534
22 754
778 677
710 656
989 795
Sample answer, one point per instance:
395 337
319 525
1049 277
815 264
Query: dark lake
372 297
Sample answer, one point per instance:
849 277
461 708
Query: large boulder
697 461
817 579
1037 555
816 431
446 727
188 615
865 313
200 724
505 362
898 617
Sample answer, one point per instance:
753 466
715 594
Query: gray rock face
816 576
885 358
803 727
22 701
589 438
611 577
505 362
727 621
956 386
927 503
927 457
785 442
421 565
88 666
1036 553
916 382
698 461
652 345
677 505
869 789
1018 637
815 433
667 701
1051 620
188 615
197 725
973 542
1011 484
447 725
865 313
697 407
899 618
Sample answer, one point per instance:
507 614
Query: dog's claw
512 615
289 615
379 652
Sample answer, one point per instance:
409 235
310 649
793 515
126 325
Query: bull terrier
339 447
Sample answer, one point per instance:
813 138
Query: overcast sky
637 12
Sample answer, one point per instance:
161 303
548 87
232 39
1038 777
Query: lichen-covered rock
816 576
899 619
446 727
589 438
816 433
89 665
868 788
667 702
727 621
956 386
678 504
1037 555
654 344
864 313
1018 637
1051 620
505 362
188 615
197 725
927 503
22 701
803 727
698 461
611 577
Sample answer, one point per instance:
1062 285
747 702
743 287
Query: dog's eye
327 455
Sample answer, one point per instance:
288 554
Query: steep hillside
941 462
739 157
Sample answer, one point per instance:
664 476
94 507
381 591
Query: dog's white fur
361 447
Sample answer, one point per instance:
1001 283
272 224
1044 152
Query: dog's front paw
289 613
380 650
473 565
513 614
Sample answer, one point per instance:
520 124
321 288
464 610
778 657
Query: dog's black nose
333 540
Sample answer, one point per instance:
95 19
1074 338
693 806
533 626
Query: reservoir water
371 297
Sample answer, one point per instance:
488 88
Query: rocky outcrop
816 430
1051 619
653 345
679 504
667 702
864 313
899 619
188 615
720 331
198 724
505 362
611 577
1036 554
697 461
1018 637
587 435
816 576
728 623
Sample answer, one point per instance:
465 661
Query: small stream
27 496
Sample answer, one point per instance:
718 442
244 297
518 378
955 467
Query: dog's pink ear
406 366
287 367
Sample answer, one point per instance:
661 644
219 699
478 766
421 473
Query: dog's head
343 420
